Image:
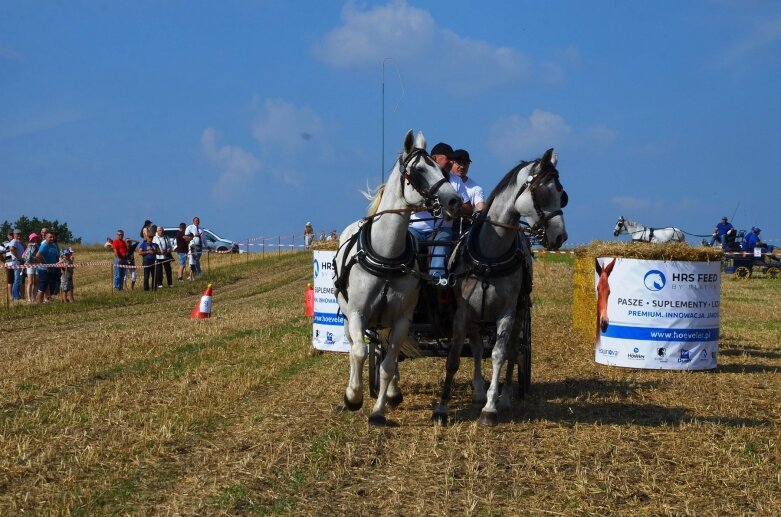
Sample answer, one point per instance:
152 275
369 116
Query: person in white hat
309 235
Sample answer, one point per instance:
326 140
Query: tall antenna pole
383 117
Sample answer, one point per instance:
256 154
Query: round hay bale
584 302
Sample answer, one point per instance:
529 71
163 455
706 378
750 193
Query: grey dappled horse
638 232
376 281
493 274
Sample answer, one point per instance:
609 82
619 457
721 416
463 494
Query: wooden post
279 245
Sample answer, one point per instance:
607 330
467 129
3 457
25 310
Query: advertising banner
657 314
328 323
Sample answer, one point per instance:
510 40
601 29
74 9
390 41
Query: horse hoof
352 406
377 420
439 418
395 400
489 419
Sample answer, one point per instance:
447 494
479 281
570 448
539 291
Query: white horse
639 233
375 267
493 276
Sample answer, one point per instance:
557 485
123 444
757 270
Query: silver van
211 240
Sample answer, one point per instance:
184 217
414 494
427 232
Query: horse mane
504 183
375 198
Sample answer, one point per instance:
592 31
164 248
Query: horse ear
420 141
597 267
609 267
547 158
408 142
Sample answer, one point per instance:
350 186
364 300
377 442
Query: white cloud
237 166
412 36
10 54
763 33
287 128
515 137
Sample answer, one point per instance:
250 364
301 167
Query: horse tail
375 198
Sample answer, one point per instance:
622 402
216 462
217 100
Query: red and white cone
203 309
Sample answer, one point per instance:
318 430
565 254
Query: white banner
328 323
657 315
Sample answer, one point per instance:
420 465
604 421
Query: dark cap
442 148
724 218
461 156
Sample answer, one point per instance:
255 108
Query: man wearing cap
752 240
720 232
461 162
424 226
16 248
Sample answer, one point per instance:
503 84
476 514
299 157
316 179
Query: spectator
333 236
309 235
146 230
163 258
17 251
424 226
322 236
67 275
48 253
8 256
192 259
33 243
55 273
148 249
132 272
181 250
120 259
194 235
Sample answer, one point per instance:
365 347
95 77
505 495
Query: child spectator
66 279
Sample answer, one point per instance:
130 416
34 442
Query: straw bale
584 303
326 245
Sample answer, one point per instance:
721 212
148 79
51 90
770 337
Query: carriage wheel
524 359
773 272
376 354
742 273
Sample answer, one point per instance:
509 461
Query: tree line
34 225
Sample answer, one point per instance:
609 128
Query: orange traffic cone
309 301
203 309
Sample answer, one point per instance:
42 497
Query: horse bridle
429 194
532 183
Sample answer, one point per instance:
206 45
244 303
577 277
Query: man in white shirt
424 226
194 233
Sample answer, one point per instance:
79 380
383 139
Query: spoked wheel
524 359
742 273
773 272
376 355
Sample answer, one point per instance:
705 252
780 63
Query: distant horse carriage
743 264
640 233
379 274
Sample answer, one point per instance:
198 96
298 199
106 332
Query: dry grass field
120 405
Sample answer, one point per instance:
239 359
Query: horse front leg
388 371
353 395
395 396
489 416
505 399
478 383
440 414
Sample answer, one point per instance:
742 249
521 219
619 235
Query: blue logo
329 338
684 358
317 267
654 280
636 350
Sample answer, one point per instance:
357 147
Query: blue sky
260 115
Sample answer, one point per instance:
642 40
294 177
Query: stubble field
119 404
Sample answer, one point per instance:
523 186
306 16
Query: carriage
378 281
432 326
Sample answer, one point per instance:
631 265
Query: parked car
211 240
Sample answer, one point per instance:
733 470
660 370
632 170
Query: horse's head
619 226
603 292
547 197
429 185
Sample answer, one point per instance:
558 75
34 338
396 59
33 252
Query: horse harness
532 183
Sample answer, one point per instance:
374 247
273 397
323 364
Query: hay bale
584 300
325 245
